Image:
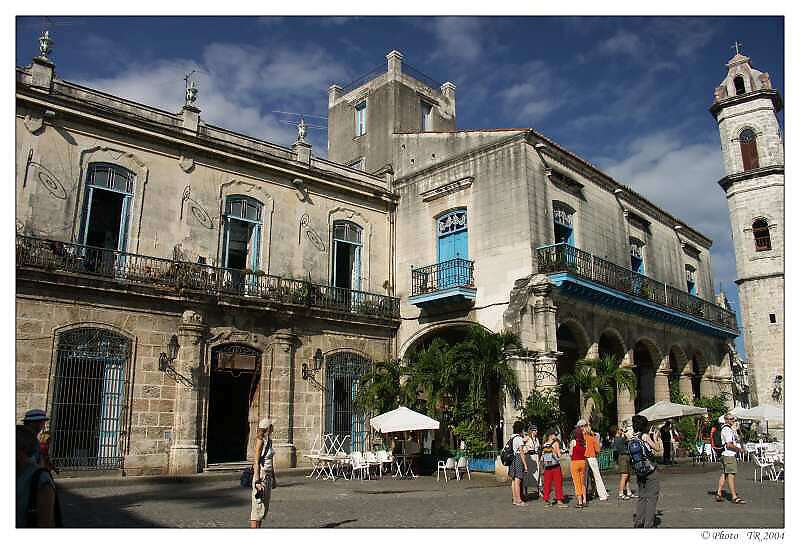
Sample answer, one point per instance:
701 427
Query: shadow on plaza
114 510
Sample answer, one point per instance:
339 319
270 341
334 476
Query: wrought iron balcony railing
440 276
130 268
565 258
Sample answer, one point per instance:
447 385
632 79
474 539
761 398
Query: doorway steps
233 466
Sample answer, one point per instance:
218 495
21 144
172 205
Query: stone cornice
169 130
726 181
772 94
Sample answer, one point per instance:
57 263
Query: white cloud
621 43
534 92
681 177
240 86
458 38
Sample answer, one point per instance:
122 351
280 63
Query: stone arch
258 192
126 160
610 341
647 361
426 332
341 213
573 344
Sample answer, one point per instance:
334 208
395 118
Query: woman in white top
263 474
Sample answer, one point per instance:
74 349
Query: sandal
718 498
739 500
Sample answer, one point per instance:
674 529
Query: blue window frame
452 238
361 118
109 193
242 236
691 286
562 224
637 255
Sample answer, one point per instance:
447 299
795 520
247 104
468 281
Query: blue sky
629 94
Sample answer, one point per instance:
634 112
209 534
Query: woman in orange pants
578 464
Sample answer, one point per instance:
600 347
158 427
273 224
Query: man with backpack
640 448
37 502
730 447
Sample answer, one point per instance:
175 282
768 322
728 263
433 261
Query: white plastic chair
751 450
372 460
463 465
384 458
359 464
762 464
444 466
709 452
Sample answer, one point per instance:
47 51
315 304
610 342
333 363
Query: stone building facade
176 282
745 108
506 229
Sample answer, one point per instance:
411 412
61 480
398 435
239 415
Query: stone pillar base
285 456
184 459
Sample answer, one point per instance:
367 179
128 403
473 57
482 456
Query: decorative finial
45 44
191 88
301 130
737 45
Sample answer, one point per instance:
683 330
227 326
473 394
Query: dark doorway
645 377
569 401
105 219
234 379
697 376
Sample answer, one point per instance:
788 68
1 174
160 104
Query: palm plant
431 377
482 357
381 388
598 381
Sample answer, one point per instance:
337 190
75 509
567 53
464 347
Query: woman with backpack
578 463
640 448
551 453
530 447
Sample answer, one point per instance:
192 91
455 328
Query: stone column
626 407
184 454
544 314
281 398
685 385
662 385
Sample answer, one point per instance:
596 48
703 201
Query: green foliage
380 389
541 408
599 380
717 405
473 433
675 394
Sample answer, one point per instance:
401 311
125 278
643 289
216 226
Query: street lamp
165 359
308 373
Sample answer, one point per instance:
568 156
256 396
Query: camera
260 493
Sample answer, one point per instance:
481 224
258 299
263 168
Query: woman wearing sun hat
263 474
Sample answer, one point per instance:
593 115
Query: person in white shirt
263 474
731 447
519 466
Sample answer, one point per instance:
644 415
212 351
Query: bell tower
745 107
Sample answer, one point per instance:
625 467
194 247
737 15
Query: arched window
89 398
562 224
347 255
747 143
691 285
242 242
738 84
761 235
637 255
109 192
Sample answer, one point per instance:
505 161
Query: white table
403 467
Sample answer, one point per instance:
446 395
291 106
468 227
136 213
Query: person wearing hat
730 447
263 474
35 421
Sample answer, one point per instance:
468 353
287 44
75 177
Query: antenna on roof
299 114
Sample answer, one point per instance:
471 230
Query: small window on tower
772 318
747 144
738 83
761 235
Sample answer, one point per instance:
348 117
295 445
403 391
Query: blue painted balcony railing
133 269
445 280
564 258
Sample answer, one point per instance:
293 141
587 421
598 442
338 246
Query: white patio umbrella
665 409
402 419
764 412
738 412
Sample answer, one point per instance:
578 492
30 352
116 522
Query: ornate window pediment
452 222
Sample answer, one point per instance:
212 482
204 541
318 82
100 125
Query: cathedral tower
745 107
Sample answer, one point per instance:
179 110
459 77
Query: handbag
246 479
